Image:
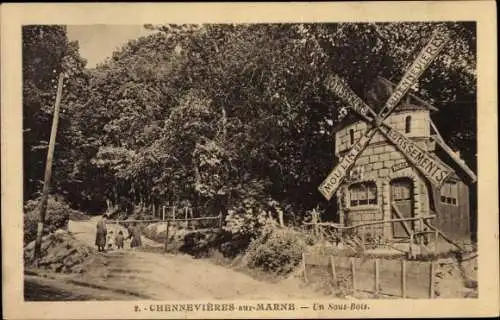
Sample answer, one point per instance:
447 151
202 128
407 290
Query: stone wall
419 128
365 213
382 210
381 162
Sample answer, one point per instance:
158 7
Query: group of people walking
108 241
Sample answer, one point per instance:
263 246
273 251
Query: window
401 190
408 124
363 194
351 137
449 193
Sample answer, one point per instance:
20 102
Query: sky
97 42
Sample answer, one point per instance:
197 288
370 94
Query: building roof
377 94
452 158
421 102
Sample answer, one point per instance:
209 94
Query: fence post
411 249
334 272
431 280
163 212
436 238
403 279
173 212
193 224
304 266
377 275
363 236
166 236
353 273
154 210
220 220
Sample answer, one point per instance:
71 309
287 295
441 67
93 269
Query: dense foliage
278 251
230 118
57 218
46 50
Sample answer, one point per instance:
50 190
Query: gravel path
129 274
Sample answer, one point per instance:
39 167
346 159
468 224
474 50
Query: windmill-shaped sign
435 171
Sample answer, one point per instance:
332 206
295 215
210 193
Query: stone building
382 185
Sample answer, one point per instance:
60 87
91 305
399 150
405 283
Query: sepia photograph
244 166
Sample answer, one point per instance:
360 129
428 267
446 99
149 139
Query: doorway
402 207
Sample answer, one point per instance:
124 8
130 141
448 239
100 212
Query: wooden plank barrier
393 277
364 273
390 277
417 279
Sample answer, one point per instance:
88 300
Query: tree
222 115
45 53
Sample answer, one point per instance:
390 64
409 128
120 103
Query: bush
245 225
232 245
279 251
200 243
57 217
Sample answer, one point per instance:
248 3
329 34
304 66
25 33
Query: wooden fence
377 275
168 210
188 223
390 277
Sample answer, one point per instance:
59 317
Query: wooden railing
321 231
320 226
170 222
341 227
219 217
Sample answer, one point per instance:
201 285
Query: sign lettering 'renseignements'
432 169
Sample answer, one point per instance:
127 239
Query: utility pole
48 169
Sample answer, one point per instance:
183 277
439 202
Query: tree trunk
115 194
48 171
280 218
224 121
109 205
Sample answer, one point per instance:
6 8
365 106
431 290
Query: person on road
101 232
134 233
111 241
119 240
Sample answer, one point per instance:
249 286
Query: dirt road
133 274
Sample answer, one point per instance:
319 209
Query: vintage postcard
249 160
